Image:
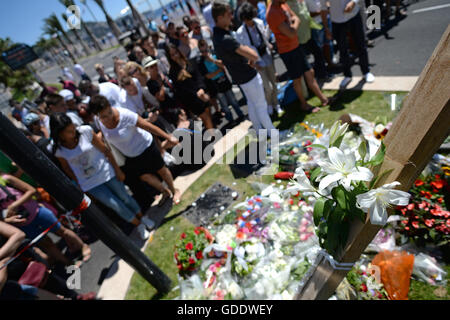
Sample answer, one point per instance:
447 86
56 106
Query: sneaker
143 232
345 82
369 77
149 223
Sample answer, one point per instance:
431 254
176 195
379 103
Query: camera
262 49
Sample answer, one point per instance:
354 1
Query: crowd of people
114 135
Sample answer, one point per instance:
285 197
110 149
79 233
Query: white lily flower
301 183
342 167
377 200
337 130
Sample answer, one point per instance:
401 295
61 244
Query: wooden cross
416 134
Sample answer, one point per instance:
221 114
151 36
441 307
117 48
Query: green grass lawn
369 105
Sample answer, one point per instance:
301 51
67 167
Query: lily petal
378 214
325 182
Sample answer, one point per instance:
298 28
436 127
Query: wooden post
416 134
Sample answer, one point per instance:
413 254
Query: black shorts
295 62
149 161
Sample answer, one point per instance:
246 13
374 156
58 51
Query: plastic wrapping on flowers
262 253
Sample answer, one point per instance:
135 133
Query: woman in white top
85 159
132 135
136 71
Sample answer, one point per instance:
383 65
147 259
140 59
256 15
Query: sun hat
149 61
66 94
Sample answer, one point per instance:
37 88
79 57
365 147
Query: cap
149 61
66 94
30 118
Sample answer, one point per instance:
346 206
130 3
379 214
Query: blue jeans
227 98
319 36
43 220
114 195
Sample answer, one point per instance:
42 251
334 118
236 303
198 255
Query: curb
380 84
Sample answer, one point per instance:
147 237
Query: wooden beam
416 134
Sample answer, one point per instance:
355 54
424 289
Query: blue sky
22 20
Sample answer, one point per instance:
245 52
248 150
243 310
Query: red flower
364 287
291 152
407 228
410 206
291 202
189 246
191 261
196 232
179 266
183 235
440 200
199 255
405 222
448 223
418 183
415 224
429 222
380 296
426 194
438 184
437 176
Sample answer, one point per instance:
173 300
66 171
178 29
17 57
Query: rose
199 255
183 235
191 261
189 246
418 183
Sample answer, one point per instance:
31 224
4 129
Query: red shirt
275 16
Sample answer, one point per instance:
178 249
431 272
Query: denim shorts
295 62
44 219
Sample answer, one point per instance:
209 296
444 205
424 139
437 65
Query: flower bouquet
189 249
426 218
367 287
339 187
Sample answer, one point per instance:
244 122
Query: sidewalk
380 84
117 281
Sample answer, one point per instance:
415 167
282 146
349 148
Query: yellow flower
446 170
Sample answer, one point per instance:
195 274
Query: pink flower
302 229
429 222
415 224
276 205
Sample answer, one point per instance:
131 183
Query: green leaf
338 141
328 208
340 195
379 157
317 146
362 149
318 211
433 234
315 173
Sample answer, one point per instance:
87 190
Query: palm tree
77 35
51 30
137 16
53 21
112 25
68 3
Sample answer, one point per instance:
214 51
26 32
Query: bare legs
166 175
312 84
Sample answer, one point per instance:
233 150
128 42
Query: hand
328 35
219 63
120 175
172 141
15 219
349 7
252 64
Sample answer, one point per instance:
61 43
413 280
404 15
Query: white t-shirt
89 165
111 92
77 121
133 103
129 139
78 69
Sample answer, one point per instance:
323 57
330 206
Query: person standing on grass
345 18
85 159
240 61
253 34
132 136
284 23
